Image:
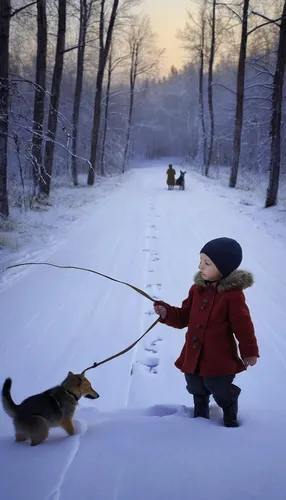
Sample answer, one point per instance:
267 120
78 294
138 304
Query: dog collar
71 394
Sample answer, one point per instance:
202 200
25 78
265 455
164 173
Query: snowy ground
28 233
248 197
137 440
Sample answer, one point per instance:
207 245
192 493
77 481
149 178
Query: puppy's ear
70 374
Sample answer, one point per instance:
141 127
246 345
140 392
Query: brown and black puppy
36 415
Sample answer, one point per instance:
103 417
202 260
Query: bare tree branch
77 46
17 11
230 9
224 87
267 18
268 21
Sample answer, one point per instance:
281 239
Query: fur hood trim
237 280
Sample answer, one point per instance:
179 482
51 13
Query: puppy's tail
8 404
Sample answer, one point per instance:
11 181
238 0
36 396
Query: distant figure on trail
171 172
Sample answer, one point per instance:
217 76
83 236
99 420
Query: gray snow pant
224 392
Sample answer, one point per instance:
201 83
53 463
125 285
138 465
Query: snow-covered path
137 440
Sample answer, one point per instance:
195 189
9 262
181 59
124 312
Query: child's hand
251 361
161 310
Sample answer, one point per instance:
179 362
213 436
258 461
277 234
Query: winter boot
201 408
230 415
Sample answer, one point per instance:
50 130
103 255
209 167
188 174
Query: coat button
195 346
205 301
198 325
202 308
195 338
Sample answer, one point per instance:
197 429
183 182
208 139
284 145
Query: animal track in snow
158 286
151 361
152 346
150 312
151 349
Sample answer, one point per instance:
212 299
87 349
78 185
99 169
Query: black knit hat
225 253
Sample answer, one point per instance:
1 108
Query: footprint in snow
154 342
151 349
150 312
151 361
155 259
166 411
152 346
149 365
154 285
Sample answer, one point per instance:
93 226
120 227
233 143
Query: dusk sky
167 16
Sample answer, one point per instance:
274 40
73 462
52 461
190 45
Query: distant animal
36 415
181 180
171 172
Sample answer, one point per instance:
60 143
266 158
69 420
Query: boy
215 311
